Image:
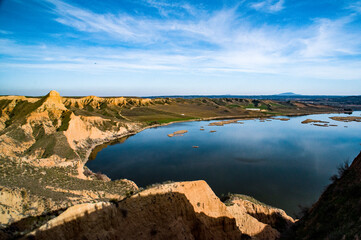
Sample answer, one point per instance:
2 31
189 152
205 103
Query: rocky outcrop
98 102
183 210
52 101
257 219
336 215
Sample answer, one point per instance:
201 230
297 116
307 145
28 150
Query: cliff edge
182 210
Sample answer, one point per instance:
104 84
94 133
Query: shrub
303 212
343 168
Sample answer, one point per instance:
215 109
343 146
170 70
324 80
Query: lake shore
239 118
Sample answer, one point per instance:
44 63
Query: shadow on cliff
274 220
160 216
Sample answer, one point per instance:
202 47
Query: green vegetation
147 114
275 104
65 118
19 135
170 120
41 181
228 198
53 144
251 105
21 109
342 170
233 106
263 107
154 185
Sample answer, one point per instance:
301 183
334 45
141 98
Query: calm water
284 164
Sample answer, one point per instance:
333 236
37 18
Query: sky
209 47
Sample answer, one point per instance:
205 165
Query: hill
288 94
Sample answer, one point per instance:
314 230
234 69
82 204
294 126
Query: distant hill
288 94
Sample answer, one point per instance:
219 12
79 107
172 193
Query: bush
303 212
102 177
87 172
343 168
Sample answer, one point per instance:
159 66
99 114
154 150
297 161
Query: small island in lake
177 133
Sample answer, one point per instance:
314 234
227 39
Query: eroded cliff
183 210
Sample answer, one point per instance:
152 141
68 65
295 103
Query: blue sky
149 47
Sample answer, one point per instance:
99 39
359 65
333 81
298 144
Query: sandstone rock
258 220
182 210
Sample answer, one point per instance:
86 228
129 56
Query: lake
281 163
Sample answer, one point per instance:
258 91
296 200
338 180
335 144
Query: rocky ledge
182 210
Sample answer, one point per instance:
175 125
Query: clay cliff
183 210
48 132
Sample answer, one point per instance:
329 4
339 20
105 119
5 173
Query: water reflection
100 147
282 163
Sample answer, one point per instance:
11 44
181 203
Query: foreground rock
183 210
257 219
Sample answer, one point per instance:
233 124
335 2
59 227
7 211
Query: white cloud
355 6
269 5
171 8
5 32
330 39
